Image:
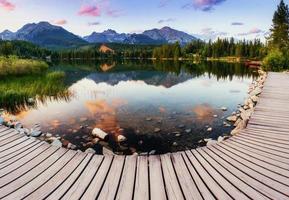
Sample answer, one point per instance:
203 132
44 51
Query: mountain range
47 35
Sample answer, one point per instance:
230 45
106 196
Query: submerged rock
56 143
90 151
2 120
157 130
35 133
224 108
188 130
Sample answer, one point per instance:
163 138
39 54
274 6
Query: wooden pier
251 165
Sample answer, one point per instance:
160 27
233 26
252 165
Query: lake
165 107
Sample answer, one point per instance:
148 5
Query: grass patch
13 65
21 93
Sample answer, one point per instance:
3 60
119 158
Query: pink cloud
88 10
204 5
252 32
60 22
6 5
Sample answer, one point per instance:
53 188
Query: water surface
157 106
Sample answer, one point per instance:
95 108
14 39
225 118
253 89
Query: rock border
241 117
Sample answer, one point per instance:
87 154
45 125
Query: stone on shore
232 118
99 133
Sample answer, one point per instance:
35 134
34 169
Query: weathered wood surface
252 165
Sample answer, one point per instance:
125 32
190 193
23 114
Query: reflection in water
154 104
204 112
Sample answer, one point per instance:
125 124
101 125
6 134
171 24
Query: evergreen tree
279 37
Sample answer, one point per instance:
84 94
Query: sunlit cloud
7 5
162 21
204 5
89 10
59 22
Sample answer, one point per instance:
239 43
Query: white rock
48 135
211 142
221 139
99 133
210 129
121 138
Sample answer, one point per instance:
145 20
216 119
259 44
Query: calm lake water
157 106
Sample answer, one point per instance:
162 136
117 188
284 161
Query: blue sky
206 18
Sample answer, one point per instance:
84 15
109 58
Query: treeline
23 49
168 51
217 49
120 51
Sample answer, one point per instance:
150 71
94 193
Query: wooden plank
258 176
230 176
141 190
2 130
14 158
269 158
62 175
30 157
232 166
79 187
27 189
6 154
205 192
126 186
226 185
187 184
113 178
271 154
215 188
7 140
264 168
157 187
98 180
8 133
21 177
174 191
11 142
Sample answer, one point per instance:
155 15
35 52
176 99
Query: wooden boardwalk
252 165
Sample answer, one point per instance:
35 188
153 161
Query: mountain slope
7 35
47 35
170 35
165 35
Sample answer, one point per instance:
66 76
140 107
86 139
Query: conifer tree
279 37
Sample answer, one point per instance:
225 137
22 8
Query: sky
208 19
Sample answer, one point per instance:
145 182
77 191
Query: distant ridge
47 35
165 35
